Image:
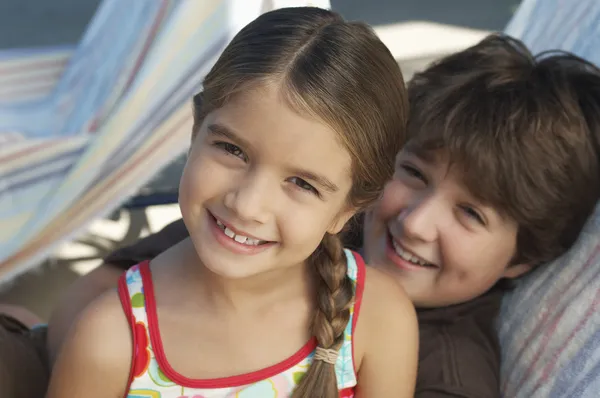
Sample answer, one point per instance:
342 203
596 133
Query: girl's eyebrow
224 131
319 179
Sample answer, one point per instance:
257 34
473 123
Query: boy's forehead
440 163
437 158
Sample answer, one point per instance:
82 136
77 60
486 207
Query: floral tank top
152 376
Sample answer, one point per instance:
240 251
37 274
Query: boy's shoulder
459 353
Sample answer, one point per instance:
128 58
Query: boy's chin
424 300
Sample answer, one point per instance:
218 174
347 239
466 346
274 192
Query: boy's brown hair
524 131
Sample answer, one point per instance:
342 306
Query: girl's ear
341 220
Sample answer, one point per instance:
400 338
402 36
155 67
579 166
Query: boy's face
430 233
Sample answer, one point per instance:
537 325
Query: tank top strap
132 295
131 288
345 367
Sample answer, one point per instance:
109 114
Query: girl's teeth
238 238
229 233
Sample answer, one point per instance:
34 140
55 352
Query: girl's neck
252 294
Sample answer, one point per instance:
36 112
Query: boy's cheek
392 202
376 219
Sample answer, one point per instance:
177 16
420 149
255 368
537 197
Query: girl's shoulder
378 292
98 347
103 321
387 317
384 299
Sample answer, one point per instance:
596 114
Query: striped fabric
31 74
559 24
82 129
549 327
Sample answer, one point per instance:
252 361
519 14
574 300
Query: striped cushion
549 327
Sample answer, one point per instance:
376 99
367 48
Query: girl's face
262 185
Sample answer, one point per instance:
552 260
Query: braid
335 295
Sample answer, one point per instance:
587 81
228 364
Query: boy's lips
404 257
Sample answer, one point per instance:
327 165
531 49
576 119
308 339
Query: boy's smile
403 257
441 244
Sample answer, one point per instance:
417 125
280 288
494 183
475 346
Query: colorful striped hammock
82 129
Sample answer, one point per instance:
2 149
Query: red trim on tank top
222 382
231 381
358 295
125 298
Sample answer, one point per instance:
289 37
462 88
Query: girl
297 129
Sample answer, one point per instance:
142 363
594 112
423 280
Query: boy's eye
305 186
232 149
412 172
474 214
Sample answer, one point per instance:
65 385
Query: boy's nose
419 221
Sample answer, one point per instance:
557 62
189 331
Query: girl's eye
232 149
305 186
474 214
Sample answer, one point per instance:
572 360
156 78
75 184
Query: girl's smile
237 241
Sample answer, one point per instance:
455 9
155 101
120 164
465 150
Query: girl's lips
223 223
233 245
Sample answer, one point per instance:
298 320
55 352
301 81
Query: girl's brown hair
342 74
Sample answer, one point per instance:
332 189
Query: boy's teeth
238 238
407 256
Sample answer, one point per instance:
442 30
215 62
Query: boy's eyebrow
227 132
428 157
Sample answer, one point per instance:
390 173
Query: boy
499 175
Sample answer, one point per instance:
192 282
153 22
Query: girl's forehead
269 129
262 112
